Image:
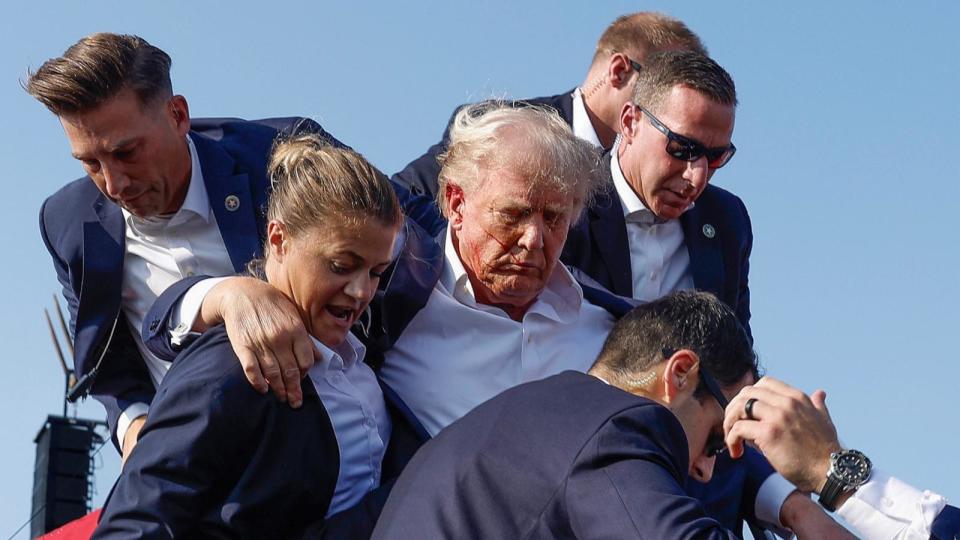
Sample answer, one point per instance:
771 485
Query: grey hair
532 141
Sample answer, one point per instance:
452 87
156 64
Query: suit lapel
231 201
608 230
564 105
706 256
103 248
414 276
609 233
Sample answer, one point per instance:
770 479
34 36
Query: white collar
561 299
196 201
582 126
342 357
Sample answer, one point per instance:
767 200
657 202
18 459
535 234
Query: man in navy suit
660 226
598 455
164 198
608 454
593 108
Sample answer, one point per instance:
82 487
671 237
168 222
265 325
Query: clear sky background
848 133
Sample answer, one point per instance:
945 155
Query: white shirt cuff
770 497
131 413
885 507
187 309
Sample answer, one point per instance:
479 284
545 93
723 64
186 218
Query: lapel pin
232 202
709 231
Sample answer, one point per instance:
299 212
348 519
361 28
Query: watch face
852 467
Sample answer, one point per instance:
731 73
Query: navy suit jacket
84 233
716 231
563 457
217 459
420 175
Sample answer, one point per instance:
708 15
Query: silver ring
748 408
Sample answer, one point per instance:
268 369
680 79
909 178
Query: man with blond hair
593 108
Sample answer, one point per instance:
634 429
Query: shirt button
371 422
191 273
653 275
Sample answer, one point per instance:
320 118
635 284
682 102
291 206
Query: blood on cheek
506 248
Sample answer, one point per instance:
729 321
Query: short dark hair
97 68
692 320
665 70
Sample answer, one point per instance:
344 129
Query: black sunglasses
634 64
716 444
687 149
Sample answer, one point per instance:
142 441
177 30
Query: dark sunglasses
634 64
687 149
716 444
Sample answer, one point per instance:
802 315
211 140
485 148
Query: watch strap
831 492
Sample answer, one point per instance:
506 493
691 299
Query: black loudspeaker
63 472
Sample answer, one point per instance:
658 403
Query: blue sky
846 132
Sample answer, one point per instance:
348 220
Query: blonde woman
218 459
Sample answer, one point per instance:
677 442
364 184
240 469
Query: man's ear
455 201
680 375
630 117
179 113
277 240
619 71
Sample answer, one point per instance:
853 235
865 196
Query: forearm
807 519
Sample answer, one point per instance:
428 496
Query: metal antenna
63 324
68 376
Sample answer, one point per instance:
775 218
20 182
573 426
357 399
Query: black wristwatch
849 469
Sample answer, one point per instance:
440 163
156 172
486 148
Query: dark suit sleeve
421 209
173 474
63 272
215 453
626 485
123 378
947 524
154 331
743 304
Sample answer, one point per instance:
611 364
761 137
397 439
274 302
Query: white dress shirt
659 260
159 252
582 126
457 353
353 400
888 508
